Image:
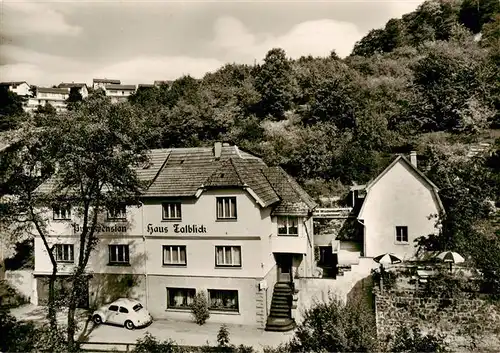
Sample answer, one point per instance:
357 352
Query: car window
123 310
137 307
113 308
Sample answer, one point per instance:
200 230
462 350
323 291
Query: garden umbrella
451 257
387 259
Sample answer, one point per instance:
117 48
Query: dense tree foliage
11 109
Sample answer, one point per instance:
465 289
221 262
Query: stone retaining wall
456 318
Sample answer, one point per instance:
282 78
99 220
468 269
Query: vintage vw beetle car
124 312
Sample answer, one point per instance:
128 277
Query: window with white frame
226 207
288 225
174 255
223 299
180 298
64 252
228 256
118 212
118 254
402 234
62 212
172 211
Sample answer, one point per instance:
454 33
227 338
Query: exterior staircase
280 317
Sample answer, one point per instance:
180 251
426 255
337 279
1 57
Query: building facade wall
247 292
21 90
146 233
399 198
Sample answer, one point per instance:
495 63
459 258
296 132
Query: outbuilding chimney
217 150
413 158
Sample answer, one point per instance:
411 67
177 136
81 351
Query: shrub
411 340
16 336
9 296
223 337
333 326
199 308
224 346
282 348
149 344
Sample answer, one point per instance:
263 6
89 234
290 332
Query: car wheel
129 325
97 319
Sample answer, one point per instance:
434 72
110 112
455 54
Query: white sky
48 42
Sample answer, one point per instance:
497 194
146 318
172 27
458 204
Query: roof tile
182 172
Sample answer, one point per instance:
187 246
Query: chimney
413 158
217 150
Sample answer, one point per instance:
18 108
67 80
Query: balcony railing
336 212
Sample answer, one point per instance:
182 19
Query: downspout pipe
146 284
364 235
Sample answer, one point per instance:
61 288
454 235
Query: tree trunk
77 288
52 300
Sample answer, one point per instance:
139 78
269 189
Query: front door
284 264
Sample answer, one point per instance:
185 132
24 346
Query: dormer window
288 225
62 212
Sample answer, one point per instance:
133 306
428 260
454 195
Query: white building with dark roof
119 93
82 87
103 82
213 220
21 88
56 97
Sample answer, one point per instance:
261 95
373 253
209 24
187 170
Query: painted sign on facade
102 228
176 228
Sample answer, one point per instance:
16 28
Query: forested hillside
421 81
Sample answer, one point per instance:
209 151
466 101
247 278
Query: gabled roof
403 159
146 85
52 90
124 87
72 84
408 163
106 80
13 83
294 200
188 172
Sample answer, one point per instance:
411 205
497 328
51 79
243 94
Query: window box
119 255
228 256
223 300
174 255
171 211
288 226
62 212
402 234
226 208
64 253
180 298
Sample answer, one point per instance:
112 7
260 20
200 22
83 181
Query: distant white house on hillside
21 88
103 82
56 97
119 93
396 209
159 83
82 87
